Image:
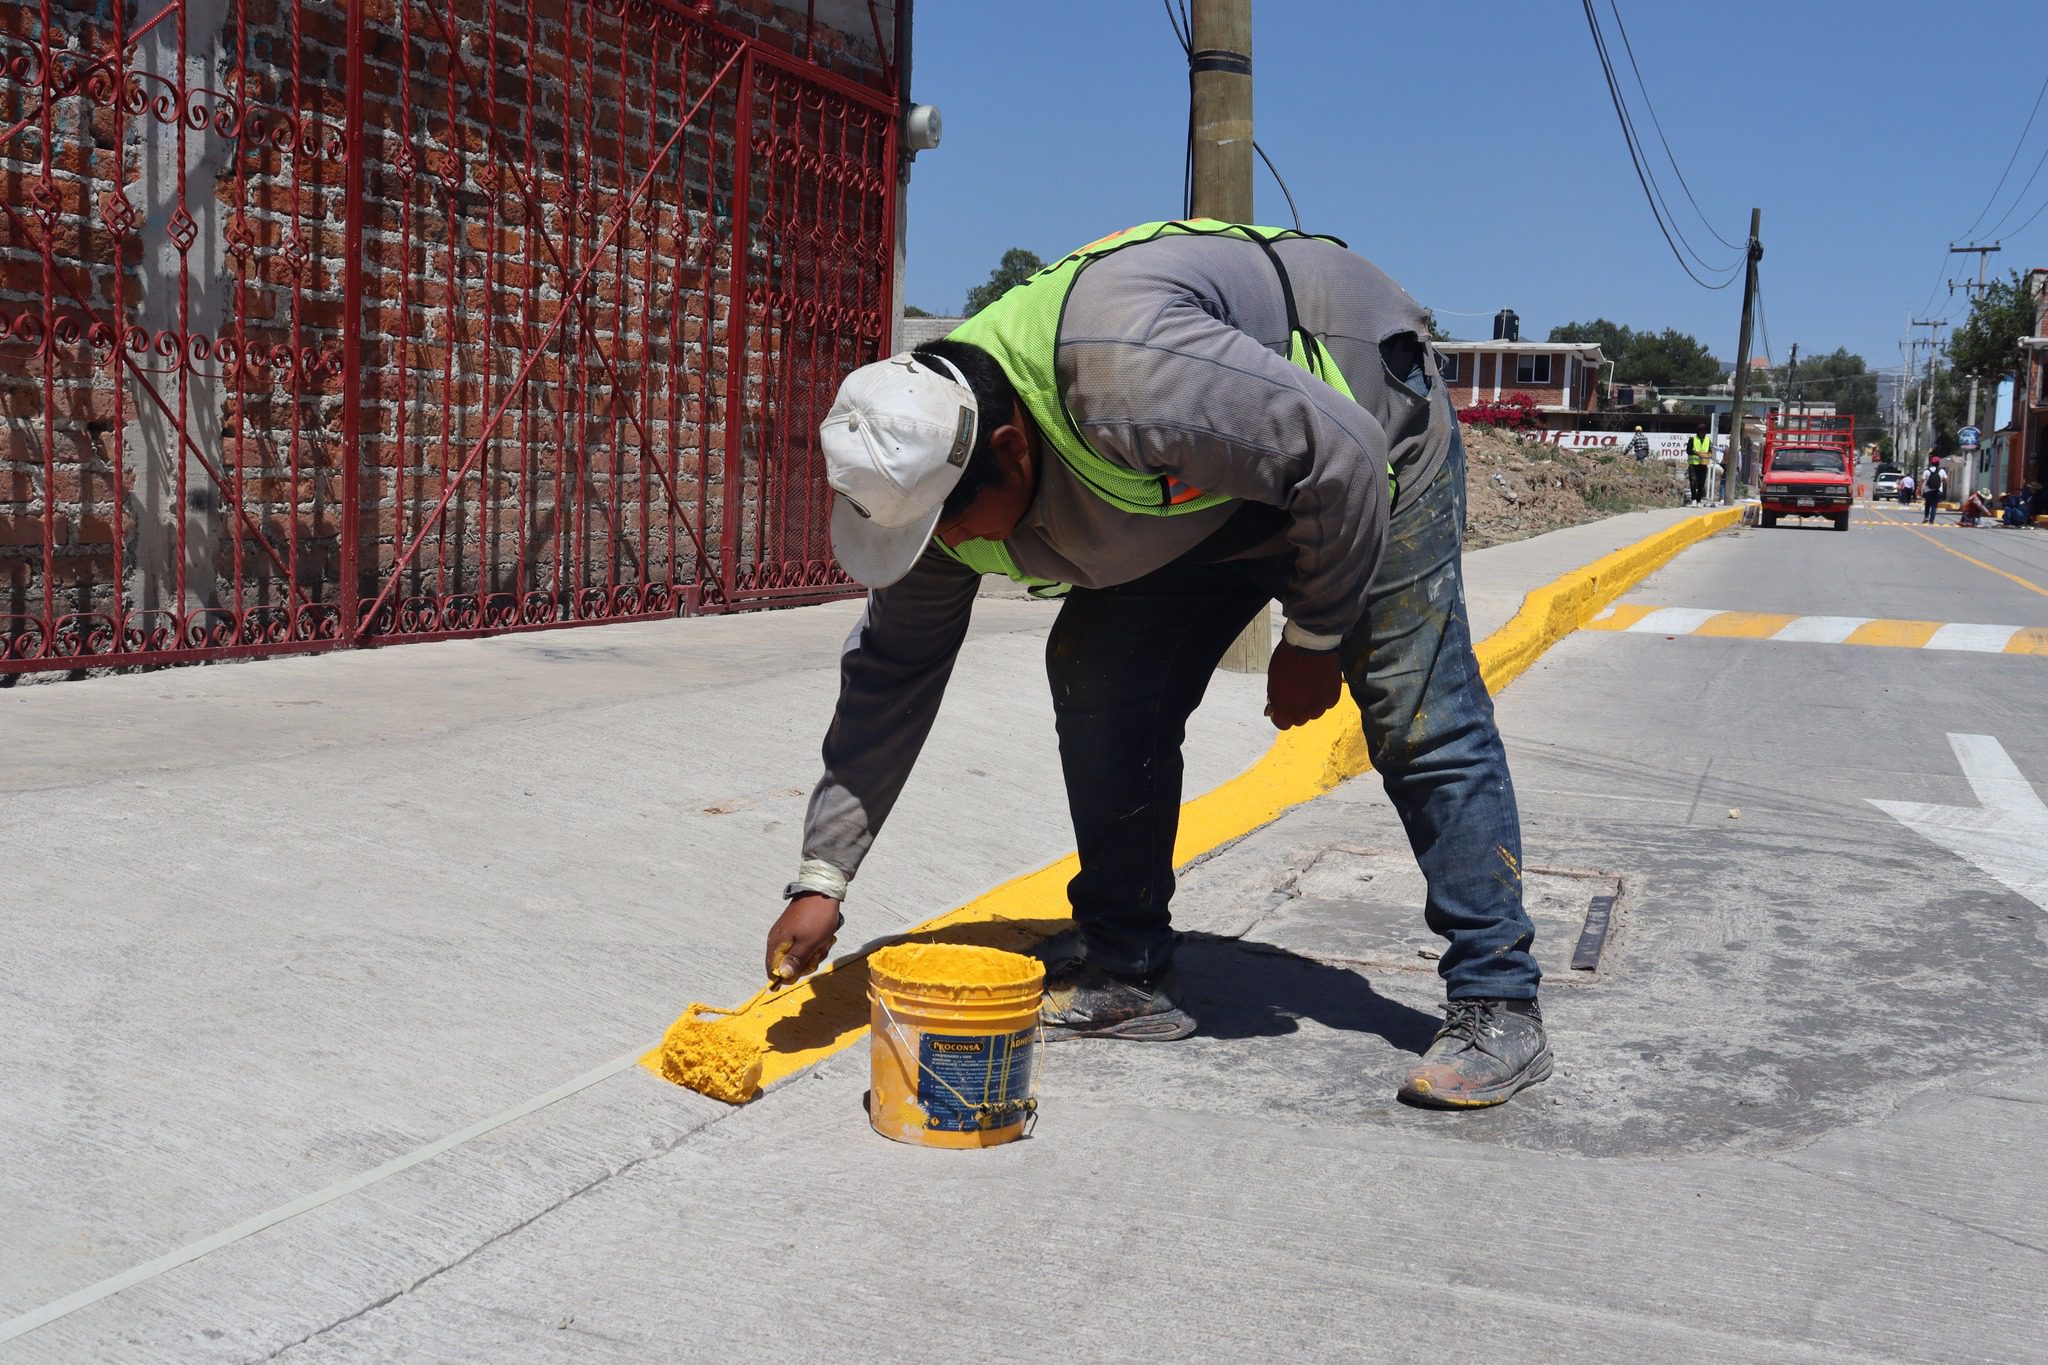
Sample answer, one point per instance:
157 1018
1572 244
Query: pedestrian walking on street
1639 446
1177 425
1933 484
1905 490
1699 452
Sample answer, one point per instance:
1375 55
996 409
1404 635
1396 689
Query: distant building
1562 376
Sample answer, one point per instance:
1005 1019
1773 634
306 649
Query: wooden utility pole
1983 255
1933 344
1220 85
1733 475
1791 376
1220 88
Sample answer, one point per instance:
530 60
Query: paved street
1796 1116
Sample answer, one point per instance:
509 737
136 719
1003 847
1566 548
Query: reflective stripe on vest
1021 331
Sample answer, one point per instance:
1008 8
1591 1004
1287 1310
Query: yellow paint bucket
954 1047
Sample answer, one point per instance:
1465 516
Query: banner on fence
1664 445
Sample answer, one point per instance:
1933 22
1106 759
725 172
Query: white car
1886 489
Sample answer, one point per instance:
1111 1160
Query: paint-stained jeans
1129 664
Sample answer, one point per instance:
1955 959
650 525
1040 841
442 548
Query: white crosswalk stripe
1675 620
1821 630
1982 639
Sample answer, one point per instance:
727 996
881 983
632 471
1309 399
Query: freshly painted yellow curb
827 1012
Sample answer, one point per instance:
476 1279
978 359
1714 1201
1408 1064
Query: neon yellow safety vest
1699 449
1021 331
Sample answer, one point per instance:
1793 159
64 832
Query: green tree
1666 360
1987 342
1671 360
1840 377
1018 265
911 310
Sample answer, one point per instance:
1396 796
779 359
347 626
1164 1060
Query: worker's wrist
817 878
1293 635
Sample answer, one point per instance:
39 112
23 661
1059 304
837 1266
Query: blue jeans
1129 664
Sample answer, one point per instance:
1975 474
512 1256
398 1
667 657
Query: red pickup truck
1809 467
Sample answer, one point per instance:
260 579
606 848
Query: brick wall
189 208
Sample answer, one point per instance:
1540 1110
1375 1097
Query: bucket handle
986 1114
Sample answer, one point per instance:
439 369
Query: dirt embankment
1517 488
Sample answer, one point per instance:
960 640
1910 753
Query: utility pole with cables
1735 474
1926 414
1220 89
1983 254
1791 373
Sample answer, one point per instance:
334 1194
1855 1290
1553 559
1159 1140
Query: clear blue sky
1472 152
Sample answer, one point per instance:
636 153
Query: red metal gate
339 323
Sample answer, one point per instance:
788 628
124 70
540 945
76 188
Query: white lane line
1821 630
1981 639
249 1227
2004 834
1675 620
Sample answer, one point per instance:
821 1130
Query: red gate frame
125 637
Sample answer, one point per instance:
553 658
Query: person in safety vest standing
1176 425
1699 453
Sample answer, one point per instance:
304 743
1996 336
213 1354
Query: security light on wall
921 128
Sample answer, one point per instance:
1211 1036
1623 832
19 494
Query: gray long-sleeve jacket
1172 358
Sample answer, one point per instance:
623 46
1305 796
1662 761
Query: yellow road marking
1623 616
1746 625
2028 584
818 1016
1899 634
1642 618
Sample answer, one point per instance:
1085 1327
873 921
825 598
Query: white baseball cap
895 442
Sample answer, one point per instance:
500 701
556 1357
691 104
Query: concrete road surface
1797 1115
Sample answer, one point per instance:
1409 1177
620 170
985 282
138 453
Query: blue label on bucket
972 1081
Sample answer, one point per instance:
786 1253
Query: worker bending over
1181 423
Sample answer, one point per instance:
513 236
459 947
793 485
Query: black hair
994 397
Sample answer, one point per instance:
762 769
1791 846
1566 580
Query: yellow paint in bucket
954 1047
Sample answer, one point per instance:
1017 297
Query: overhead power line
2030 219
1666 222
1993 229
2021 142
1657 123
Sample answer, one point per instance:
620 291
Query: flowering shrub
1516 412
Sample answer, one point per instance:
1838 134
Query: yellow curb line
827 1012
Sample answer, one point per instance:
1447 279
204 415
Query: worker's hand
801 936
1300 686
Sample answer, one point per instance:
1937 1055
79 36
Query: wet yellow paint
954 965
712 1057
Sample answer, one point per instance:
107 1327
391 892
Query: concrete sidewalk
277 924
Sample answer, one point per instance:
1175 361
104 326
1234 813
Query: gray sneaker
1485 1052
1084 1001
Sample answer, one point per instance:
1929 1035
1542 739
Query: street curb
827 1012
